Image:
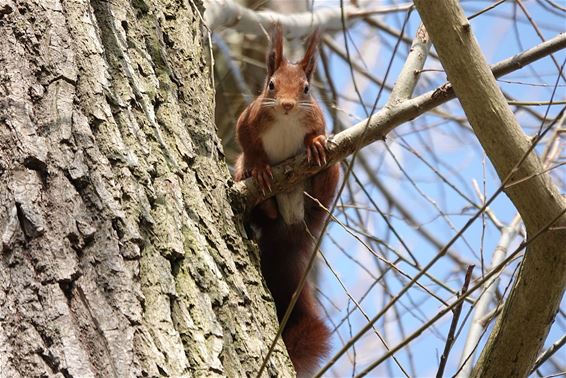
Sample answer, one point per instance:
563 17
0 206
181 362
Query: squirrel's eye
271 85
306 89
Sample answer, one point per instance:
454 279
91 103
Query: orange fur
286 248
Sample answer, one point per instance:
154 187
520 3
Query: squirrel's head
288 84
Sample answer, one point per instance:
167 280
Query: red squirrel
283 121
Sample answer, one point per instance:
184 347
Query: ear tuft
275 56
309 61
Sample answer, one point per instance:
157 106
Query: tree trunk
121 255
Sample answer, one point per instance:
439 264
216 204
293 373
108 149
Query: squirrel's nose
287 105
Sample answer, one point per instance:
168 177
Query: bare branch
526 317
539 33
549 352
229 13
450 338
407 79
295 170
444 311
408 215
482 305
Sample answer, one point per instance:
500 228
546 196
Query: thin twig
549 352
450 338
359 307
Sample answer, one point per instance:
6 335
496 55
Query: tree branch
407 79
482 305
527 315
231 14
450 338
549 352
247 194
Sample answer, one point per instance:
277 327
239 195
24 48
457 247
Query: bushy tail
307 341
285 253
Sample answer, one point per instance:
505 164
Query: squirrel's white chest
284 138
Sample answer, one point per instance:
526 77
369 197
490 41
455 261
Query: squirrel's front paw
264 177
316 150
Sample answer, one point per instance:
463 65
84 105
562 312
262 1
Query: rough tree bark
529 311
121 255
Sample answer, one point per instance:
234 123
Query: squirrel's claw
321 152
263 177
316 154
316 150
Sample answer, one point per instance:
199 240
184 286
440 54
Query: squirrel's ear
309 61
275 56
